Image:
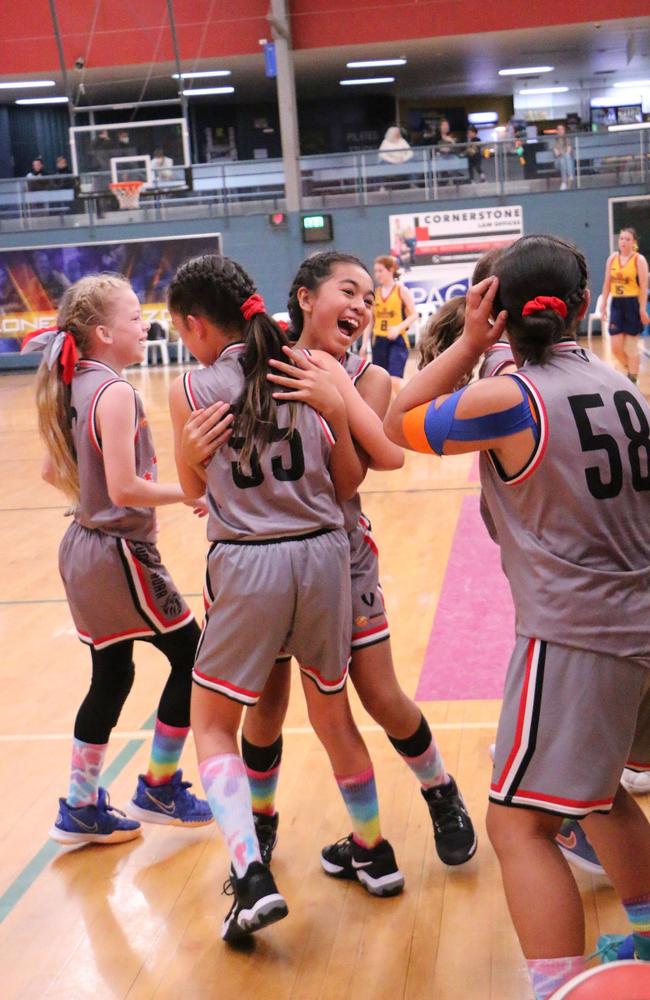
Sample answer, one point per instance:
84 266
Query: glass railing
428 173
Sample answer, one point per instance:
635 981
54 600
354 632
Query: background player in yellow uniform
394 312
626 280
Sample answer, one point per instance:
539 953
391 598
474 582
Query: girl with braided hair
117 588
329 303
278 569
564 448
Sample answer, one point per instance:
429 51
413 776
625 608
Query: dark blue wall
272 256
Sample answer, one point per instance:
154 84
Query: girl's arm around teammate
364 423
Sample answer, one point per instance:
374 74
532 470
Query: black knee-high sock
263 769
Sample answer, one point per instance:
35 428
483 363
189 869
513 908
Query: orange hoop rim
126 185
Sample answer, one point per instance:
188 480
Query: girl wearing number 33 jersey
278 572
564 448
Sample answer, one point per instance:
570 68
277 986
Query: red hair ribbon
545 302
253 305
68 358
37 333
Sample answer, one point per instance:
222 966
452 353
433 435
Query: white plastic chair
595 317
183 355
160 345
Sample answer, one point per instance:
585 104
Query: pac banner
32 281
438 249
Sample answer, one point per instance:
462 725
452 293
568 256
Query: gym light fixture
526 70
631 84
544 90
201 73
370 79
369 63
203 91
42 100
19 84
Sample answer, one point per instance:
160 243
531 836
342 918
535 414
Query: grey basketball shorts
117 588
369 622
571 720
290 595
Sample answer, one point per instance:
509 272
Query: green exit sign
317 228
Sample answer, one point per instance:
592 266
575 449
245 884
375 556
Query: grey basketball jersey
574 524
495 359
96 509
355 367
285 489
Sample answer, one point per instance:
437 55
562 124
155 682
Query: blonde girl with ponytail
100 453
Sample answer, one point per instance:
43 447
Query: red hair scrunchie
545 302
253 305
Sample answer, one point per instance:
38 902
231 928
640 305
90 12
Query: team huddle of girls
273 437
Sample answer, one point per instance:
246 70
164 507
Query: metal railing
430 174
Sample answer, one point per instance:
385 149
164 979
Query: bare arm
116 416
191 482
49 472
410 317
364 423
642 272
607 281
445 372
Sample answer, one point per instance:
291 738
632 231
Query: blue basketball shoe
572 841
170 804
614 948
100 824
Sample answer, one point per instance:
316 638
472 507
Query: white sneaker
636 782
562 186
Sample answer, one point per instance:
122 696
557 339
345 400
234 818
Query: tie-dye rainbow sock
638 913
263 770
226 787
85 769
420 751
548 974
360 796
166 750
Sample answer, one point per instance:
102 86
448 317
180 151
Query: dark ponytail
217 287
540 266
311 273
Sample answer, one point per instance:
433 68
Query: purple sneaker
170 804
572 841
100 824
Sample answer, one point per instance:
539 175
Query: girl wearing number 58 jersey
278 571
565 471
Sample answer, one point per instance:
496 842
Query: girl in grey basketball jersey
328 305
565 471
117 588
278 571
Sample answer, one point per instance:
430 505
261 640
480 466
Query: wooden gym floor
142 920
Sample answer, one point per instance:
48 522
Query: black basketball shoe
266 828
452 828
257 903
375 867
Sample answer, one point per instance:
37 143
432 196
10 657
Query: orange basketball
615 981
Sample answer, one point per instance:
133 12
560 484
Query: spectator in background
474 155
444 139
38 168
161 166
563 153
62 166
394 147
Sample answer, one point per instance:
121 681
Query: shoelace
609 950
449 813
112 808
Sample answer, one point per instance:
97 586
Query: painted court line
473 631
287 731
26 878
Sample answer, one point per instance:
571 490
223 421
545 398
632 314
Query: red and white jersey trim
542 440
224 687
144 599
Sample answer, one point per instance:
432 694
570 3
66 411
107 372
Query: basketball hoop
127 192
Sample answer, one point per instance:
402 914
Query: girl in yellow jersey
626 280
394 312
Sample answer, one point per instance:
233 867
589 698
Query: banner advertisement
32 281
438 249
